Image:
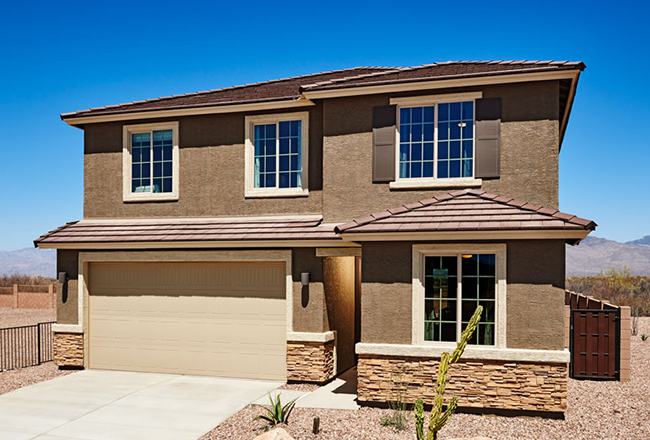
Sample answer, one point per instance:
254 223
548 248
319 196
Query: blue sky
63 56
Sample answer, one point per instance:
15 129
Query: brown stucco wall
211 171
529 151
386 293
535 298
309 306
66 294
535 295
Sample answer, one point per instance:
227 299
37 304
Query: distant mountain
29 261
645 240
594 254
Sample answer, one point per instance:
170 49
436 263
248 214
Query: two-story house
295 228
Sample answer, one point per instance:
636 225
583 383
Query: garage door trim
85 258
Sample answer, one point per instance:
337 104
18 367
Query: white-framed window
150 162
435 141
277 148
449 283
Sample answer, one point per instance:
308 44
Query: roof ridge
425 66
205 92
434 200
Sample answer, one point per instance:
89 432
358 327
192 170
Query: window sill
471 352
285 192
150 197
439 183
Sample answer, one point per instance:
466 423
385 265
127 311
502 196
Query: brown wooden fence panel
595 347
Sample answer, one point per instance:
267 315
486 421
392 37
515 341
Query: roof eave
292 102
570 235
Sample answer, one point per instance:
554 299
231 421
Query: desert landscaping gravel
14 379
20 317
596 411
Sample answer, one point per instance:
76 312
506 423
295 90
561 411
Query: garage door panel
235 327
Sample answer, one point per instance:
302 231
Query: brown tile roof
174 230
466 210
279 89
446 70
292 88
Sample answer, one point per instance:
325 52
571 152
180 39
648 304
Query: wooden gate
595 348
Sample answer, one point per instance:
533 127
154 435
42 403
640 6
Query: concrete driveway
106 405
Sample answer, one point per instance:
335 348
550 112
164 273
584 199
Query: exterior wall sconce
63 277
304 278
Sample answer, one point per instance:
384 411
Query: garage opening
209 318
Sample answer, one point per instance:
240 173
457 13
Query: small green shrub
644 337
397 403
277 414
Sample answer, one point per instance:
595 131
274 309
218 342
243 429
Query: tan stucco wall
535 296
66 295
529 151
211 171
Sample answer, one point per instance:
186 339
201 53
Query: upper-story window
276 155
151 162
435 140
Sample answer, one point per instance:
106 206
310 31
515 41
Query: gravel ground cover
597 411
14 379
20 317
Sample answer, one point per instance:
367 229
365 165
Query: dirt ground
20 317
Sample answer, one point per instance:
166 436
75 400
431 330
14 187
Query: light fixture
304 278
63 277
467 255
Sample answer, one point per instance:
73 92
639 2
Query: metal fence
26 346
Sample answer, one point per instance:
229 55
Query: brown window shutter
488 138
384 119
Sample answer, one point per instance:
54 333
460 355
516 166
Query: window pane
427 169
140 162
284 180
454 168
284 145
416 125
455 124
440 284
478 282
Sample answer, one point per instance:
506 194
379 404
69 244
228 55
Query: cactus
438 417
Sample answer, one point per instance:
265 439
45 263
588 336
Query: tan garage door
214 319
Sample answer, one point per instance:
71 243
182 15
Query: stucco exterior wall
211 176
67 294
386 293
535 295
529 151
340 160
309 306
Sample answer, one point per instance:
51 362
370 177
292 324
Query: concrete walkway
112 405
341 393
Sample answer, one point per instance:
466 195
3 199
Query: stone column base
310 361
69 349
502 385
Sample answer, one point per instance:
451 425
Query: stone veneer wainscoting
310 361
509 385
69 349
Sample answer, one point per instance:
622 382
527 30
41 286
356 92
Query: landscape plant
276 413
397 403
439 417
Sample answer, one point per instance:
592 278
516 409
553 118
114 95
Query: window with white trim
436 141
454 286
151 162
276 155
